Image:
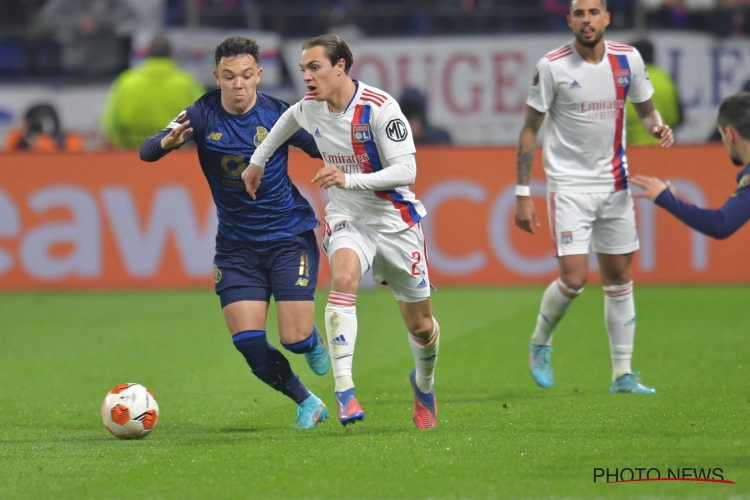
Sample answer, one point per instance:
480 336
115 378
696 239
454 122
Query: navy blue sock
306 345
269 365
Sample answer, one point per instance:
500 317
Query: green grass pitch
222 434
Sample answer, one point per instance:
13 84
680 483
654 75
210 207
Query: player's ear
606 19
216 75
730 134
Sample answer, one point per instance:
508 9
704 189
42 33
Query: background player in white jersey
372 220
582 86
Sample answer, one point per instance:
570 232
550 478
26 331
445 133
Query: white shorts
397 259
603 221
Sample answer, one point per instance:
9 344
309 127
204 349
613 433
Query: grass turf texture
223 434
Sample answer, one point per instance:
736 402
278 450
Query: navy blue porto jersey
225 144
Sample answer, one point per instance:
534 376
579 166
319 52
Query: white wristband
523 190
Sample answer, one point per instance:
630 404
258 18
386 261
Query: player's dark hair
735 112
604 4
237 46
335 49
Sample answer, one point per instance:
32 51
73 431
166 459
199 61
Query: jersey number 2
418 258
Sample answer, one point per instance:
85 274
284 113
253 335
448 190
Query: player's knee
345 282
421 327
573 283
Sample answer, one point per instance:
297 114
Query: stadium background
106 277
472 59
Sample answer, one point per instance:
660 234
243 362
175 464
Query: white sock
425 357
341 330
619 315
555 302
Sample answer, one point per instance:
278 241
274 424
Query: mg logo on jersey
396 130
361 132
623 77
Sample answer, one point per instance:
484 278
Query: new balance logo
317 133
302 282
575 85
340 340
422 283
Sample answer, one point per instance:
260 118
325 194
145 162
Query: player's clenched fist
177 136
251 177
330 176
526 214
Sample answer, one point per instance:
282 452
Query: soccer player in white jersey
582 87
372 220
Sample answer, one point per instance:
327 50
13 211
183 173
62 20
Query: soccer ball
130 411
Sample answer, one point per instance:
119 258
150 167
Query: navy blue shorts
286 269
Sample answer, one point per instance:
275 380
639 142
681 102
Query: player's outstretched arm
718 224
525 210
284 128
651 121
158 145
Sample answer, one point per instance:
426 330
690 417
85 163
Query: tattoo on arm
527 145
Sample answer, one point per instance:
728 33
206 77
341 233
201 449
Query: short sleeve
641 89
393 132
542 89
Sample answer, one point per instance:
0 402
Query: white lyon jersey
584 143
365 138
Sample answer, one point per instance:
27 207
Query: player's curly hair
237 46
735 112
335 49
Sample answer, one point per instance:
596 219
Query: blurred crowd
70 41
44 37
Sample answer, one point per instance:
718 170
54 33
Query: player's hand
251 177
177 136
526 214
330 176
652 186
664 134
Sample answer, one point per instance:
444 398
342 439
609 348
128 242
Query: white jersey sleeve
285 127
641 89
392 131
402 172
542 89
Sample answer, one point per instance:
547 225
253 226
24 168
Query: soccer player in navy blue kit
734 127
265 246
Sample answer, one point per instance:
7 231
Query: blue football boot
319 359
630 383
310 412
540 362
